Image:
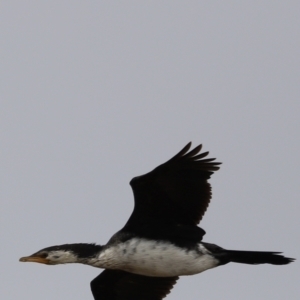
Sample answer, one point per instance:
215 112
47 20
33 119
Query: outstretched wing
174 193
121 285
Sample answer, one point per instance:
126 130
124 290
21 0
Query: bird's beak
35 258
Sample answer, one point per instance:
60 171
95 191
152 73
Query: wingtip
183 151
195 155
187 146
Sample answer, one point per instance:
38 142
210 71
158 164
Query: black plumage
117 285
176 192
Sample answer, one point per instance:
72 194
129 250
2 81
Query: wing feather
176 192
121 285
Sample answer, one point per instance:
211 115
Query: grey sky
96 92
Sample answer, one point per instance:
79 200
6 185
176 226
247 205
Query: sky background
94 93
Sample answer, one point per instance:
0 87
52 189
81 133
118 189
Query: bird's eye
55 256
43 255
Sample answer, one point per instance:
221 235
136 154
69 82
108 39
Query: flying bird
161 240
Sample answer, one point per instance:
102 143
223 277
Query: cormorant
161 240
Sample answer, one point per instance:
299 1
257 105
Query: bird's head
63 254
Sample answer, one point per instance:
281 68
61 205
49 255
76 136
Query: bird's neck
84 253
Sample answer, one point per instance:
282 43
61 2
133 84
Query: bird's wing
121 285
174 193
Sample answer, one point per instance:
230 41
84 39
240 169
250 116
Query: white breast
155 258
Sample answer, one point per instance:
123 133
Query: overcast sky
94 93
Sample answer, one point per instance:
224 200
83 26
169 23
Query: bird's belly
156 258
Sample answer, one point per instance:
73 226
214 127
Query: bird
161 239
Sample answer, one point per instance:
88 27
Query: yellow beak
36 259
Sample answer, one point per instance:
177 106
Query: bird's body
161 240
154 258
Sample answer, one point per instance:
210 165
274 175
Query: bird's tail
257 257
